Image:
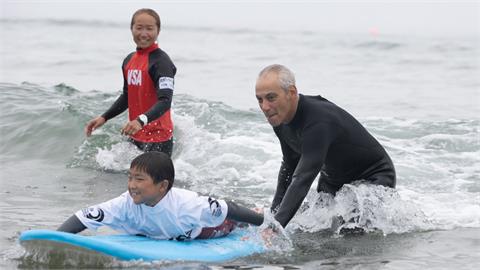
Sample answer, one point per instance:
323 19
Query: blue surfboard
129 247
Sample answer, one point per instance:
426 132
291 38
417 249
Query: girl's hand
131 128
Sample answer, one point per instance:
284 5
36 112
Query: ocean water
419 96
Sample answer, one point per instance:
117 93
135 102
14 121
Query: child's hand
268 234
258 210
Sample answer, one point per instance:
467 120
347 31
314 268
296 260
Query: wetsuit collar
298 112
147 50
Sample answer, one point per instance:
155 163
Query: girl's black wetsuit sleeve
121 104
162 71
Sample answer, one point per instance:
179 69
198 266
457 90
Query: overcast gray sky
381 16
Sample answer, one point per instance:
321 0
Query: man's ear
292 89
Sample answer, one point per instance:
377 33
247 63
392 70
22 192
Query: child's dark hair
156 164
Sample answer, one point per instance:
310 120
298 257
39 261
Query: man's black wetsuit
324 138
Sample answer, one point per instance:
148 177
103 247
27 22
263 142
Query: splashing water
274 236
367 207
117 158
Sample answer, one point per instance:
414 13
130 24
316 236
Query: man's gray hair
285 75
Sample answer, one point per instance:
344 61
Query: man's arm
289 163
315 143
302 179
284 180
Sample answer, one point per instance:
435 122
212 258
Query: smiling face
278 105
142 188
144 30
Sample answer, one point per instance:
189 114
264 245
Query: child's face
142 188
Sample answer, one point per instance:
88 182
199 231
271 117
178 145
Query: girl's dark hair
148 11
157 165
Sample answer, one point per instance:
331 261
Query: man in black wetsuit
316 136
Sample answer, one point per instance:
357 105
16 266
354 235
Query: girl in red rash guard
148 75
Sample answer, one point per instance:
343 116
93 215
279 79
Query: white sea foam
372 208
118 158
212 159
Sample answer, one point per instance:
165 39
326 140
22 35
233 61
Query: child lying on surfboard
152 207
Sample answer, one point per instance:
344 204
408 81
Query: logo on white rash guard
134 77
186 236
215 207
93 213
165 82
